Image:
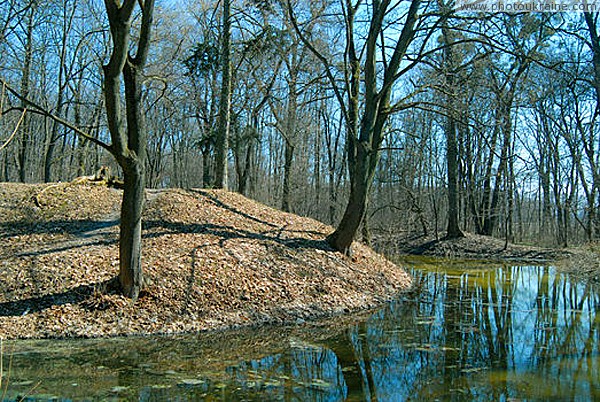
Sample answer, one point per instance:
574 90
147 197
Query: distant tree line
379 117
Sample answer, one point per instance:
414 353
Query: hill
212 260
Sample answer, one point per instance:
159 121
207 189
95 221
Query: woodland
381 118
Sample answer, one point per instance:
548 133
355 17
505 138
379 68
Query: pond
467 332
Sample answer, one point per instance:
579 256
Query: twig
24 397
14 131
2 95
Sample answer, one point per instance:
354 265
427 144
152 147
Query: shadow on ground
71 296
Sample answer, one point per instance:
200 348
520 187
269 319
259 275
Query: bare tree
67 24
450 70
128 131
366 85
222 143
24 138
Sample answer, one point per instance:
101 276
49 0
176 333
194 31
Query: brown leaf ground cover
212 259
473 247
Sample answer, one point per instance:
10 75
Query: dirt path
104 230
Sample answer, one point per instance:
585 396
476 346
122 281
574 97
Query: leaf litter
212 260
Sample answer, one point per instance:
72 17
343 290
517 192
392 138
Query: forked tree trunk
364 139
129 140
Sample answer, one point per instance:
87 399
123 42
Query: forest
444 121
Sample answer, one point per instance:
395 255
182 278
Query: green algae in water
471 332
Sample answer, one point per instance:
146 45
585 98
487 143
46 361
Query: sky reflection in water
471 332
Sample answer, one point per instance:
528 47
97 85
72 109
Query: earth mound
212 260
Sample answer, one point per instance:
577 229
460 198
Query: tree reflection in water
472 333
468 333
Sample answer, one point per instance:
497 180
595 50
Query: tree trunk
317 169
363 145
590 19
206 168
361 179
25 86
341 239
452 231
594 43
129 141
130 241
332 159
51 145
490 220
367 238
245 171
332 196
83 145
54 133
222 145
134 172
487 184
287 173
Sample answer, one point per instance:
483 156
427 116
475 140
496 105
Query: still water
468 332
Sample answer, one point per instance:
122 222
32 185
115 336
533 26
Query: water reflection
467 333
497 334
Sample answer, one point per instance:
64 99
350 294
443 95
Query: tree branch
37 108
321 58
145 32
14 131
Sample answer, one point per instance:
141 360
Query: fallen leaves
212 259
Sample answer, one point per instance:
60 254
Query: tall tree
523 38
66 25
222 143
128 132
369 82
450 70
591 20
202 67
24 140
